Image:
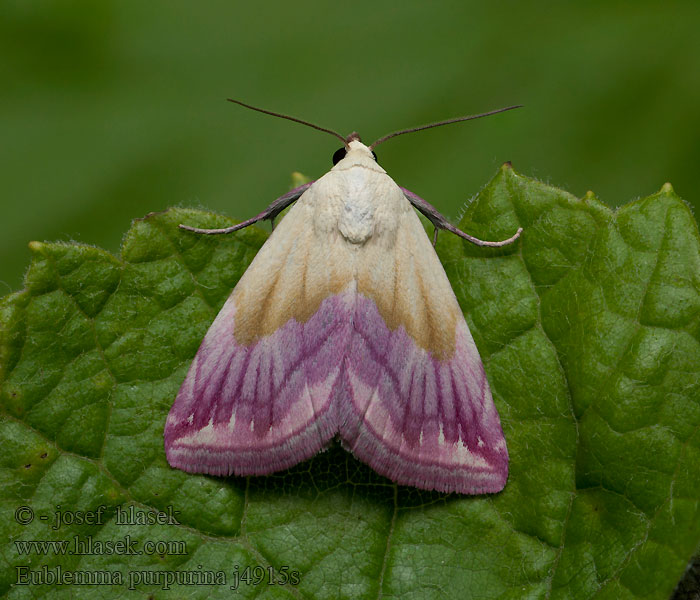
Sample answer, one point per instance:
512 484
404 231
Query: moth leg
269 213
440 222
435 232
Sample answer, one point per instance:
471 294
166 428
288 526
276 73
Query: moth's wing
257 397
419 407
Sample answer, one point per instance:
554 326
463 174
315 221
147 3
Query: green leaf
589 328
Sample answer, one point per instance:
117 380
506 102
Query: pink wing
258 396
418 408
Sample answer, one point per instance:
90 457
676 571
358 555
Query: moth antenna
289 118
440 123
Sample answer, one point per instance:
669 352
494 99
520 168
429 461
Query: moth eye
339 155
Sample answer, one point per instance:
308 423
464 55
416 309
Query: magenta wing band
417 420
253 410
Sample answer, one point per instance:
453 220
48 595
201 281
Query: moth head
353 143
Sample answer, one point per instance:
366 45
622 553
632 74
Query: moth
344 324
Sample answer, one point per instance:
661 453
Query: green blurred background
110 110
